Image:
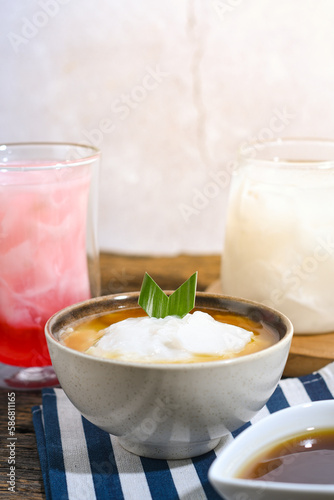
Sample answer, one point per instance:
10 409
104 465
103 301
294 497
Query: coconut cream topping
170 339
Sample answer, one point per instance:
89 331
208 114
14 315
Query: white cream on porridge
203 335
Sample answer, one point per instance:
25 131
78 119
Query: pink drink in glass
43 260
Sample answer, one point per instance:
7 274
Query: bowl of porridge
168 387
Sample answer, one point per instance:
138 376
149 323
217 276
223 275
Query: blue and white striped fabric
81 462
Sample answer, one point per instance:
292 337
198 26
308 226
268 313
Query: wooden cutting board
308 353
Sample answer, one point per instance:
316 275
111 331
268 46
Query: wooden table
124 274
119 274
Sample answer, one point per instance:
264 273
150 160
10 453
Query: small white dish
272 429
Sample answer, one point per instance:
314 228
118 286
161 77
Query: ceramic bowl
275 428
169 410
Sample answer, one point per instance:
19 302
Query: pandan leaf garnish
157 304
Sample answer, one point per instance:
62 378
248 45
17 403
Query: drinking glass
49 255
279 240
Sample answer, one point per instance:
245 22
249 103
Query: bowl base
169 451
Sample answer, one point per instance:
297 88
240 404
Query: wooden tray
308 353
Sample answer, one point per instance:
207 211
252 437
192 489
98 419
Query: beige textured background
168 90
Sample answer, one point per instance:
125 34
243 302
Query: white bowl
276 427
169 410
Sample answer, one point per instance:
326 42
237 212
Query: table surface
118 274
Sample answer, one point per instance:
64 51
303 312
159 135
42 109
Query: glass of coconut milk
279 240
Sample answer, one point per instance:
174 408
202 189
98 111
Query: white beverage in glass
279 241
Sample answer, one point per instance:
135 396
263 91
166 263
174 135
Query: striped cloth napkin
81 462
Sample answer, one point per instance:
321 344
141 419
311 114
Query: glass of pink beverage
48 249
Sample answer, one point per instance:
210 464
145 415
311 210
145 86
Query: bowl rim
217 477
170 366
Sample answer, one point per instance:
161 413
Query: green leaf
158 305
183 299
152 299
